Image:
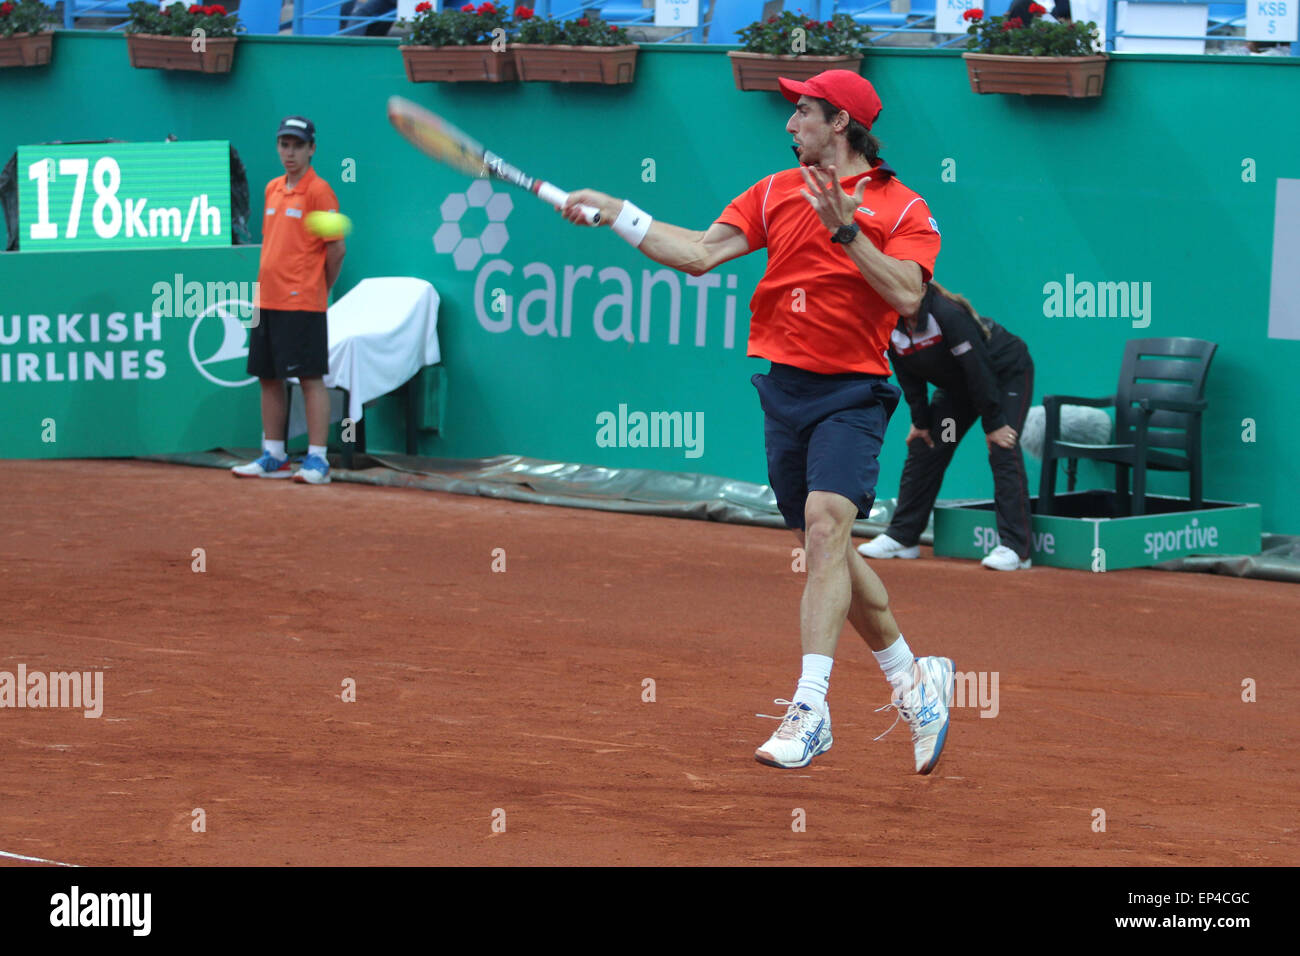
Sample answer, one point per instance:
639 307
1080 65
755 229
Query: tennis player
849 249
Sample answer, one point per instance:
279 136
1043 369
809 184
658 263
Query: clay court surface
521 691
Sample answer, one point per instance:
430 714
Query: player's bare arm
688 250
900 282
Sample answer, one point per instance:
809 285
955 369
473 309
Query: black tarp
676 495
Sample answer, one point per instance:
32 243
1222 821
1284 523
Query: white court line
35 859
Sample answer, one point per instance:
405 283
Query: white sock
815 680
275 448
896 662
318 450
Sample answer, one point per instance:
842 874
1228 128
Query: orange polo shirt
292 271
813 308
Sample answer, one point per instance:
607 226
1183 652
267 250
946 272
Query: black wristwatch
845 234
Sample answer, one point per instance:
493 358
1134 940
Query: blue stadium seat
624 11
260 16
74 10
615 11
324 19
730 16
1222 14
877 14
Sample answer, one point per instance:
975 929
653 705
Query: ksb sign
948 15
677 13
1272 21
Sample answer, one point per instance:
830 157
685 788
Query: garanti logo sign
633 306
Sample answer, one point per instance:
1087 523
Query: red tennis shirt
813 308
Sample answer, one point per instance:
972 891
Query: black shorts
286 344
824 433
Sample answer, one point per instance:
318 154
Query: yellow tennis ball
328 225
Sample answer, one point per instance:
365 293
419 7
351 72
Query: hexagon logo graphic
473 224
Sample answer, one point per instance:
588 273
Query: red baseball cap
843 89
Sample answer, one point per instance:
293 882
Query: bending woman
979 370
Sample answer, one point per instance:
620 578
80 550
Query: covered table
380 335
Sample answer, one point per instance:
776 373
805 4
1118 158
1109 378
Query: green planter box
1087 537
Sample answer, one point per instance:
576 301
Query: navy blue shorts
823 433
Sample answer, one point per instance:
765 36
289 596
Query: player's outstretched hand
834 206
609 207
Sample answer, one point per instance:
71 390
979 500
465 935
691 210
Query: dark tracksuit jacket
990 379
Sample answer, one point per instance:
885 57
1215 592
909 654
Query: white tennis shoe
804 733
268 466
315 470
884 546
925 704
1003 558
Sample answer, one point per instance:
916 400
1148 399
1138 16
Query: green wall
1144 185
114 359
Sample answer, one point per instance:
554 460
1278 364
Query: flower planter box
1073 76
609 65
759 71
458 64
26 49
151 52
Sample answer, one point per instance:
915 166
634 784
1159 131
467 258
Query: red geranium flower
771 19
1037 9
583 22
810 25
974 14
830 23
486 9
423 7
196 9
468 8
613 28
6 8
523 13
218 10
1013 24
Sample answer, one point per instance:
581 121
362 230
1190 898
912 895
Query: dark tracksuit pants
925 466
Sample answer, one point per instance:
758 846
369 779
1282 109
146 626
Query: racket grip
557 197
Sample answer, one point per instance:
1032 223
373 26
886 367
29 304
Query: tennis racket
435 137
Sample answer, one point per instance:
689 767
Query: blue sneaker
268 466
803 734
315 470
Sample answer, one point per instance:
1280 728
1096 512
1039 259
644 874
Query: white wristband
632 223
